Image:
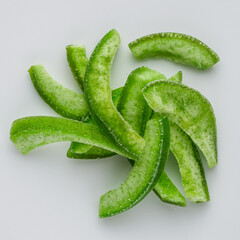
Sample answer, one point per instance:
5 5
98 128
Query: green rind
190 165
77 60
188 109
84 151
136 111
62 100
144 174
176 47
168 192
98 96
31 132
189 162
132 104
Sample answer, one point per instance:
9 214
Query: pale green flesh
31 132
144 174
176 47
77 60
64 101
188 109
134 109
190 166
98 96
83 151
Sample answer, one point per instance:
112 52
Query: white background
45 195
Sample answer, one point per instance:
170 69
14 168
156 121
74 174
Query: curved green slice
136 111
77 60
99 99
132 105
84 151
190 110
144 174
31 132
168 192
62 100
190 165
176 47
98 96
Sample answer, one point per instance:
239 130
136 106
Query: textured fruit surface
64 101
84 151
31 132
77 60
132 105
190 165
98 96
168 192
176 47
188 109
144 174
136 112
134 108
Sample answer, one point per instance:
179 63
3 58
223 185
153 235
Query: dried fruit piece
176 47
144 174
189 110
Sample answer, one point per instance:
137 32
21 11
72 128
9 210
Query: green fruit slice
136 111
67 102
190 165
188 109
99 99
98 96
131 104
176 47
144 174
84 151
31 132
77 60
64 101
168 192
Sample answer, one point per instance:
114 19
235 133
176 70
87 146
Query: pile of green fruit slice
142 121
